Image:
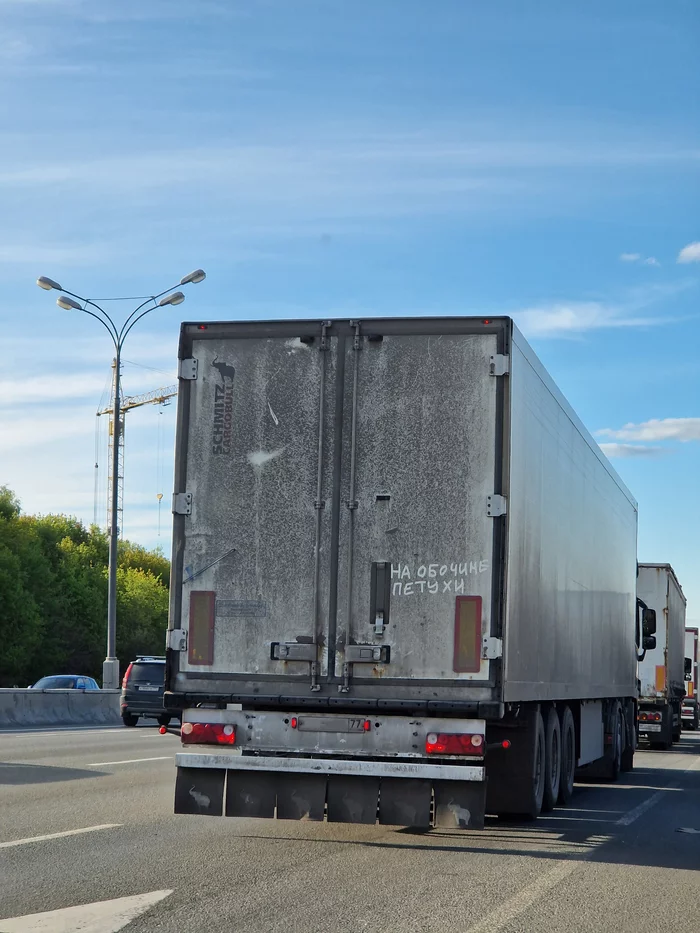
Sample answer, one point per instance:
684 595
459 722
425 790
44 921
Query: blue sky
326 158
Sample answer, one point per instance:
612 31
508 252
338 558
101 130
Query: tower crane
159 396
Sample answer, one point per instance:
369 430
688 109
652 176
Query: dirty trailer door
339 538
252 591
416 537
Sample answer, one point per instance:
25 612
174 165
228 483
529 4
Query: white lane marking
68 832
645 805
129 761
101 917
69 730
497 919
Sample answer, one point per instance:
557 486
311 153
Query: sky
321 158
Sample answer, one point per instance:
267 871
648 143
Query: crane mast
159 396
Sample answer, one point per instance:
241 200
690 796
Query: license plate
656 727
323 724
149 689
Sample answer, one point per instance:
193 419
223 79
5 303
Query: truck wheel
129 719
613 755
164 720
552 770
538 764
568 756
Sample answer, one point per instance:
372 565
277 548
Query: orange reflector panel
660 678
201 634
467 647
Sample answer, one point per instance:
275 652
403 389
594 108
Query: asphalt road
615 861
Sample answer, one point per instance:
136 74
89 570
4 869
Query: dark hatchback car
142 691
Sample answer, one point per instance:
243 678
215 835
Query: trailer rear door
333 529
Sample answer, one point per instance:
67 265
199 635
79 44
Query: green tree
142 611
53 596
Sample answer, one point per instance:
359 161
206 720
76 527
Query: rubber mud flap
352 799
251 793
405 802
301 796
200 791
460 804
509 771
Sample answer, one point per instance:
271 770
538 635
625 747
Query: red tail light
642 717
207 733
126 675
454 744
656 717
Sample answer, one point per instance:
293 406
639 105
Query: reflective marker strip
467 642
660 678
201 633
68 832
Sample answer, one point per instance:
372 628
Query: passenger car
142 691
66 682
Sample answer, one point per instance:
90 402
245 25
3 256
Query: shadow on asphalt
43 774
587 831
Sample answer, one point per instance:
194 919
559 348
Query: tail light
642 717
207 733
655 716
126 675
445 743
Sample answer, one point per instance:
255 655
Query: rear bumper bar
393 769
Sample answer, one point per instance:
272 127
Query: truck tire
536 772
613 755
129 719
568 756
164 720
629 720
552 768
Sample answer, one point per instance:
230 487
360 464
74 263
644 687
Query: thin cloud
690 253
664 429
627 451
573 318
638 258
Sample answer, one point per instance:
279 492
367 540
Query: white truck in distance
404 577
690 712
661 671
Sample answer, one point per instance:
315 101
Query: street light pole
110 666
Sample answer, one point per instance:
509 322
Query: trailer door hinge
182 503
500 364
491 648
496 506
177 639
187 369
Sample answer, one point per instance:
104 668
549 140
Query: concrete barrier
58 707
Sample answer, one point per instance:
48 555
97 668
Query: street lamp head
175 299
47 284
199 275
68 304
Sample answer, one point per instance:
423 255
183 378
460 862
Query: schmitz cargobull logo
223 409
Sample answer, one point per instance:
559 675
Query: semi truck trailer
403 576
690 713
661 671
